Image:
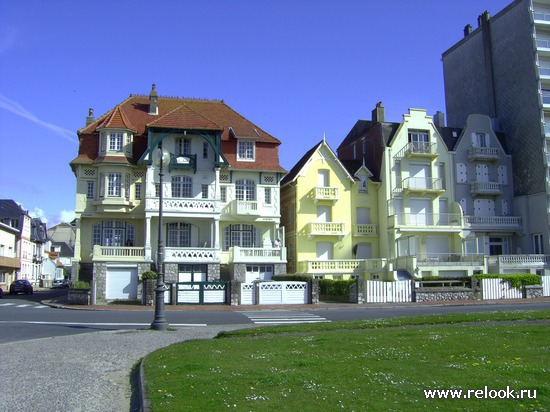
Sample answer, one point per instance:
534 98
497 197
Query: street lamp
160 323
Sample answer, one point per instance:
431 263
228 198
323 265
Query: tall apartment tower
502 69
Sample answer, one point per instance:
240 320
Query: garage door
121 283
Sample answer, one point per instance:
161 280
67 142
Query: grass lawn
359 365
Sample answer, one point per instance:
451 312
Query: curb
145 405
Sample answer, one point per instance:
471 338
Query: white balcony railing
520 260
493 221
342 266
326 193
422 184
257 255
366 230
118 253
327 229
421 149
475 152
426 219
485 188
191 255
183 205
449 259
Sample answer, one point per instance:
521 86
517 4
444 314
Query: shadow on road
38 295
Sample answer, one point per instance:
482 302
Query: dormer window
245 150
419 138
116 142
480 140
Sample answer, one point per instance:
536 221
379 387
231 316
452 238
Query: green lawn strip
451 318
354 369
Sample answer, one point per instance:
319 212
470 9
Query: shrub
80 284
335 287
516 281
149 275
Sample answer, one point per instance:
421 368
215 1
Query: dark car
21 286
1 293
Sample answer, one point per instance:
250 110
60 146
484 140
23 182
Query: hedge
335 287
517 281
291 278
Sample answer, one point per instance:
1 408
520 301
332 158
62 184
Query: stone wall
436 294
533 291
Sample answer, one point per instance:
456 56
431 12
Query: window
157 189
363 184
419 139
90 189
137 190
115 142
480 140
178 235
182 186
204 191
113 233
245 150
183 147
267 195
114 184
223 194
192 273
2 277
205 150
537 244
239 235
245 190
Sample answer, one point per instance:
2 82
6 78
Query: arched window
245 189
113 233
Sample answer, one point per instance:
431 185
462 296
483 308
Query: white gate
545 285
497 289
275 293
386 292
248 293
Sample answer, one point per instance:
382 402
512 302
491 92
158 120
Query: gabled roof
9 208
295 171
116 119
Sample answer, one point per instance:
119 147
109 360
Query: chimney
467 30
378 113
90 117
439 119
483 19
153 98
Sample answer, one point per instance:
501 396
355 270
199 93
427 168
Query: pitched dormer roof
116 119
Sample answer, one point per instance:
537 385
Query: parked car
21 286
58 283
1 293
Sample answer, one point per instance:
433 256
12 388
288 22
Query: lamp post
160 323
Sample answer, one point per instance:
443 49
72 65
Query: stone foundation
436 294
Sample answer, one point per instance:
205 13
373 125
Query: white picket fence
497 289
387 292
275 293
545 285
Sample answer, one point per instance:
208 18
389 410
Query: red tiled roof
183 117
180 113
116 120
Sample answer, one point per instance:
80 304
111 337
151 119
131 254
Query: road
23 317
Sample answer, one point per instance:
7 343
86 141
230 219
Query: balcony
183 205
326 229
366 230
493 223
342 266
485 188
183 162
257 255
519 263
423 185
543 46
449 259
9 262
191 255
325 193
483 153
246 207
442 222
118 254
113 204
419 150
541 17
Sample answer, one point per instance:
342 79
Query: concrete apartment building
502 69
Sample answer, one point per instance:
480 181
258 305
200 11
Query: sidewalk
63 304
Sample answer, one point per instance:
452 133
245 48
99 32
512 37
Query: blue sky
299 69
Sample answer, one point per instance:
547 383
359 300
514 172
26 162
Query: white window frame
246 150
116 142
114 185
538 246
267 195
245 189
137 191
182 186
183 147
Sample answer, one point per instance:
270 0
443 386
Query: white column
148 238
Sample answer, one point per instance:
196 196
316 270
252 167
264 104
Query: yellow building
329 211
